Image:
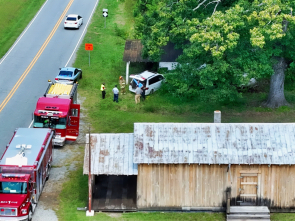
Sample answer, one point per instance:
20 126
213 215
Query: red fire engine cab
24 168
58 110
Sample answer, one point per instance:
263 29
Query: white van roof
142 76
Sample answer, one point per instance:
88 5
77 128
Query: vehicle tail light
2 210
75 23
12 210
146 88
65 23
56 79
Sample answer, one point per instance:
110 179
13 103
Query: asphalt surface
19 109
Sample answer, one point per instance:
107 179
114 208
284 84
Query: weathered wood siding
183 185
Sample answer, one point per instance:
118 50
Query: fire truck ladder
74 89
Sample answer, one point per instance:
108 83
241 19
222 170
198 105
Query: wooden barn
192 166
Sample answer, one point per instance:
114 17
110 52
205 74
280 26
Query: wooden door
248 189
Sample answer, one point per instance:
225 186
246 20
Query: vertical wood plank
167 179
162 185
156 180
139 187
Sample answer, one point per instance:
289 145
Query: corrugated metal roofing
133 52
111 154
214 143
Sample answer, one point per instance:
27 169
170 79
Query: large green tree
225 44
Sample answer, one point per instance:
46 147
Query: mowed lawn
15 16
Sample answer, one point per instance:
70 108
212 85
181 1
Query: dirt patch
114 215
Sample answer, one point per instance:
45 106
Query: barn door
248 189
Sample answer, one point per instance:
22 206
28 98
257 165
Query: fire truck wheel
48 173
30 216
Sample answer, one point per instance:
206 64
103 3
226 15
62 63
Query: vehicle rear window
71 19
65 73
134 82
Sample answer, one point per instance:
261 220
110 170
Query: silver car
68 75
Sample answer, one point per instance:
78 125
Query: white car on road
73 21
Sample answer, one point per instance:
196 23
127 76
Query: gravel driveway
62 164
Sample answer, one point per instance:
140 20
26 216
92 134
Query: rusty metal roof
111 154
214 143
133 52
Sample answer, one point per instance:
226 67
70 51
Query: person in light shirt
138 92
116 94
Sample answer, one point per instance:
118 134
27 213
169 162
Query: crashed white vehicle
152 81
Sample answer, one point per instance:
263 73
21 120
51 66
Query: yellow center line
20 80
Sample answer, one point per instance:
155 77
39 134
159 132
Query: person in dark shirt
143 88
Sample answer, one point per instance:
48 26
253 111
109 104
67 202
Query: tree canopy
225 43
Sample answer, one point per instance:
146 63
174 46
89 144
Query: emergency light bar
51 108
24 146
50 113
8 175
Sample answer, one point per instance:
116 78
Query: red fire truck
24 168
58 110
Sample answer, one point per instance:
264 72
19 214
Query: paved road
18 110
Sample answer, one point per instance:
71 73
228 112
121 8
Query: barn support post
89 212
127 72
228 170
217 116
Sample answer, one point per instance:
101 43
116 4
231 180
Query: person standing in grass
122 85
138 92
143 88
103 90
116 94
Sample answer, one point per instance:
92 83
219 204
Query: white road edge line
82 35
22 34
31 124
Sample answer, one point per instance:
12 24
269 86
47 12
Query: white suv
152 81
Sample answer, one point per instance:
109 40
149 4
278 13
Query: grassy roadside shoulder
15 16
105 116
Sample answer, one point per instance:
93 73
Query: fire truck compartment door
73 123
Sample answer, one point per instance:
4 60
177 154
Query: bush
120 32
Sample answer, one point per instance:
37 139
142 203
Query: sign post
105 14
89 47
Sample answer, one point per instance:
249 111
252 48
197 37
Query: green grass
107 65
282 217
15 16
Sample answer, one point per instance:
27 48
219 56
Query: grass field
15 16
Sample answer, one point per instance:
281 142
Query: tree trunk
276 97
